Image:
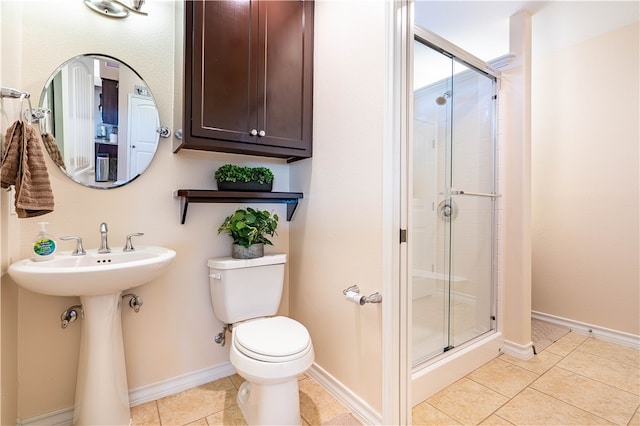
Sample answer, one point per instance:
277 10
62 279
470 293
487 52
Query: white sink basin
98 279
93 274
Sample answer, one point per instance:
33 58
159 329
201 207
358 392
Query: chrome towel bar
475 194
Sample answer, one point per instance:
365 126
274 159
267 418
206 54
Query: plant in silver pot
249 229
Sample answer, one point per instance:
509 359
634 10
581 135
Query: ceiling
482 27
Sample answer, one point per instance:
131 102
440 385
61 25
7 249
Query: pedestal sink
102 395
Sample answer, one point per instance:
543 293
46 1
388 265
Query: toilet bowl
270 354
268 351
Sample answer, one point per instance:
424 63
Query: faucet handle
79 251
128 246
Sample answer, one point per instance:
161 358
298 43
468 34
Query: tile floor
575 381
215 404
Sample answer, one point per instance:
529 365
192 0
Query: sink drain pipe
73 312
70 315
135 302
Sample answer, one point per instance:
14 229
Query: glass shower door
472 193
452 226
429 232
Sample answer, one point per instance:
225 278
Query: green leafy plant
232 173
250 226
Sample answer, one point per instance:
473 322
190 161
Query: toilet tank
243 289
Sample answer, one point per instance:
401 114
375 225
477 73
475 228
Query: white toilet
268 352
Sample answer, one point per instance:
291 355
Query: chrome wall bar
8 92
30 114
476 194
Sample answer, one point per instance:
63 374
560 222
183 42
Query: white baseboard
63 417
523 352
179 383
137 396
602 333
359 408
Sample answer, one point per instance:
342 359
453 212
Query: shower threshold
435 374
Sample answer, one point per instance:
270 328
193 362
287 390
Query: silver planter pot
241 252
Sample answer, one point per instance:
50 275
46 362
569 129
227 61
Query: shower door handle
475 194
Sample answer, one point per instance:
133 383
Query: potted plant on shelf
239 178
249 229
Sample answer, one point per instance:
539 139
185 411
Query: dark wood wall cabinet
110 101
249 77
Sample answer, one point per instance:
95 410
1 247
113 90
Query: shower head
441 100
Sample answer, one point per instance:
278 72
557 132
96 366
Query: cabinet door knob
261 133
253 132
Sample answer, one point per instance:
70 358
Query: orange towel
24 167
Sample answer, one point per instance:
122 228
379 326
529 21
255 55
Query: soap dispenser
43 246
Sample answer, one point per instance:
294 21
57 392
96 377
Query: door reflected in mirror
101 125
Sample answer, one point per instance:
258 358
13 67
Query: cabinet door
248 77
109 101
224 79
285 77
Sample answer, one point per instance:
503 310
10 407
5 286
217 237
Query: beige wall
585 258
336 239
173 333
10 68
515 127
585 182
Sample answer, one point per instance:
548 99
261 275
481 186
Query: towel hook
28 114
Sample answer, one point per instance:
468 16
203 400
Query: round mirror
101 124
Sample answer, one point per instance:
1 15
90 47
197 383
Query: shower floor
429 331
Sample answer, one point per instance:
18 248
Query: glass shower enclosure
452 226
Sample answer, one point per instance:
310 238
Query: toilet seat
275 339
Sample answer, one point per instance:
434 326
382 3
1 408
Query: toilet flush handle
216 276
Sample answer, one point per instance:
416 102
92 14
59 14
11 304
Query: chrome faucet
104 244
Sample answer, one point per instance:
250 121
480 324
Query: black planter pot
245 186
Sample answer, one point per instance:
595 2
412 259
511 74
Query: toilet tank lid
231 263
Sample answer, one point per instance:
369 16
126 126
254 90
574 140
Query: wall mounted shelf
212 196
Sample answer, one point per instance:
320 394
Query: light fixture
115 8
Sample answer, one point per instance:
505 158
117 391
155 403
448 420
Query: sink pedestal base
102 395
